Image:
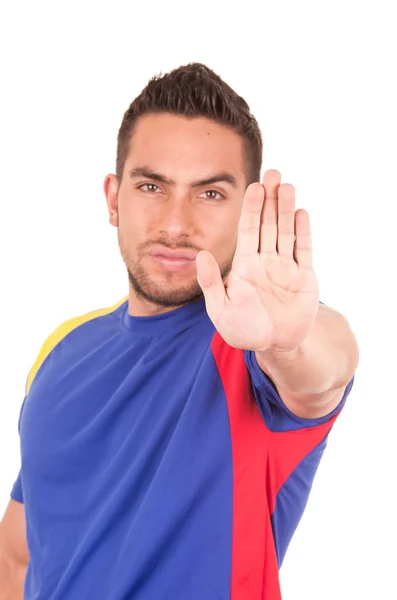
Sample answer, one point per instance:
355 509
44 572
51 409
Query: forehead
163 141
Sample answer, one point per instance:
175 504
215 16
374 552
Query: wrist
273 355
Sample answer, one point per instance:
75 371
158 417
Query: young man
169 442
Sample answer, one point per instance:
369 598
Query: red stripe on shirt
262 462
254 562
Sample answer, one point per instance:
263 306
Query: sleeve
275 413
295 451
49 344
17 489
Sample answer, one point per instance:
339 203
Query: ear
110 187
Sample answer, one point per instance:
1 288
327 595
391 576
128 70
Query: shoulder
60 332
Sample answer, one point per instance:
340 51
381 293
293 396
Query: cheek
225 243
128 234
134 232
130 219
133 215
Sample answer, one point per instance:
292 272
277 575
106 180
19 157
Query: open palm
270 298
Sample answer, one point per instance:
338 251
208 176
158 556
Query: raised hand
270 298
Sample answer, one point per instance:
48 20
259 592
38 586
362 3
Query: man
169 442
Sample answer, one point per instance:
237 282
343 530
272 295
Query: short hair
194 90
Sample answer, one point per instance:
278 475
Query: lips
173 260
168 253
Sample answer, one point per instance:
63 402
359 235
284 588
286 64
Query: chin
168 292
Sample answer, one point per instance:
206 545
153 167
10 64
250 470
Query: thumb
210 281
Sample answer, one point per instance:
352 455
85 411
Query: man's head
188 147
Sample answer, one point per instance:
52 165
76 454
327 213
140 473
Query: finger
303 254
286 221
268 234
250 220
210 280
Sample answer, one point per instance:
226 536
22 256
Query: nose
177 217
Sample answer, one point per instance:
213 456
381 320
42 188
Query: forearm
326 360
12 580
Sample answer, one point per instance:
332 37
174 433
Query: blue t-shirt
158 463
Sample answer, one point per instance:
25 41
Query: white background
320 79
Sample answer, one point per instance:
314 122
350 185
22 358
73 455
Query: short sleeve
297 446
17 491
49 344
276 414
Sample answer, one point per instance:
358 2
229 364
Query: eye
212 195
150 187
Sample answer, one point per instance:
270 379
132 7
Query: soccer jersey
158 463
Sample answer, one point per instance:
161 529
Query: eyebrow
216 178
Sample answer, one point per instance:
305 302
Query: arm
14 556
269 303
311 379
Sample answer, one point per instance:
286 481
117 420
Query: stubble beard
164 294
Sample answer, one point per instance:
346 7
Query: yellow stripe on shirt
62 331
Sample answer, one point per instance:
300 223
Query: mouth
173 260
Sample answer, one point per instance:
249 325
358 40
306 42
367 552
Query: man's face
181 192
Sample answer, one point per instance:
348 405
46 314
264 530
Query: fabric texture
157 462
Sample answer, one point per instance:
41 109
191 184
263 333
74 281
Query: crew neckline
169 322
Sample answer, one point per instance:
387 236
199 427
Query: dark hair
194 90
